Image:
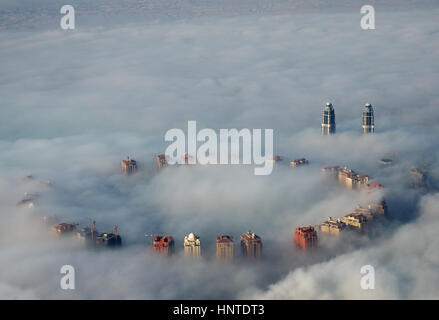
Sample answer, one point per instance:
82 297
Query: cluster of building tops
305 238
91 237
250 244
360 220
348 177
129 165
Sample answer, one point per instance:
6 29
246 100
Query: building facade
306 238
332 226
251 245
129 166
368 119
64 228
161 161
351 179
192 245
356 221
328 120
163 245
224 247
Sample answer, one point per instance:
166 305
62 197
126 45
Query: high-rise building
332 226
224 247
382 208
64 228
328 120
368 119
351 179
192 245
356 221
251 245
163 245
305 238
129 166
161 161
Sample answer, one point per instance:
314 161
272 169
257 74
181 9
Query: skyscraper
251 245
224 247
328 120
192 245
368 119
306 238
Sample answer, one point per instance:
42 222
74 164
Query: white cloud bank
74 104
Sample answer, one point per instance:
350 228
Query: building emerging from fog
161 161
356 221
362 220
163 245
298 162
108 239
368 119
328 120
332 226
251 245
224 247
129 166
305 238
64 228
351 179
28 200
192 245
348 177
418 177
94 238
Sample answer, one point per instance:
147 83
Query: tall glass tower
368 119
328 120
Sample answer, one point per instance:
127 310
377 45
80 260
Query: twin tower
328 119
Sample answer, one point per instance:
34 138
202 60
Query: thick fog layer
74 104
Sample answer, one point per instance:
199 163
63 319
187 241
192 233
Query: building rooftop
224 239
128 161
163 240
306 231
250 236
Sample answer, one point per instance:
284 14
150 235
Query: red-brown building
163 245
305 238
